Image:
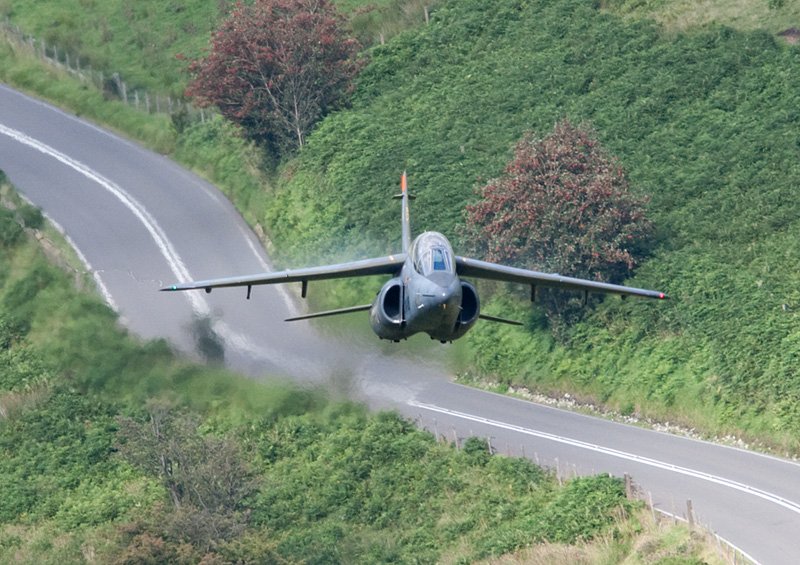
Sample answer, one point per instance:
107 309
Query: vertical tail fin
406 216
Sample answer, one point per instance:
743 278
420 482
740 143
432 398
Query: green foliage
143 42
27 73
477 449
585 506
376 488
204 475
10 230
215 149
701 121
31 216
218 468
378 20
140 41
52 449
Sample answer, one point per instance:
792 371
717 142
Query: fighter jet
425 292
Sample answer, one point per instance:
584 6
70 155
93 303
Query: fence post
690 513
53 55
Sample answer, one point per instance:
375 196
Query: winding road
139 221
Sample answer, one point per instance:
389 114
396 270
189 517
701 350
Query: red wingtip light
662 296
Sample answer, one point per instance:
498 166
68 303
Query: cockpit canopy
432 253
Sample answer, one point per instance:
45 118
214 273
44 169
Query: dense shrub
562 205
10 230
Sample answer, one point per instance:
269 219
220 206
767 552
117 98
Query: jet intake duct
470 310
386 315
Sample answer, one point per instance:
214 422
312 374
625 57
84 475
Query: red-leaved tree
563 205
276 67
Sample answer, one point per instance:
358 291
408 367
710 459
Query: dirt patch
791 35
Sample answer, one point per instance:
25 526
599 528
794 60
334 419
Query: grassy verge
682 15
22 70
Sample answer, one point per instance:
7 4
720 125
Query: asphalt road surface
140 222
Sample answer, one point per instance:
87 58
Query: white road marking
174 261
199 305
101 286
765 495
750 559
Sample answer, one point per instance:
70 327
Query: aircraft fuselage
426 296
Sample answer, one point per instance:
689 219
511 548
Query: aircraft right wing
484 270
389 265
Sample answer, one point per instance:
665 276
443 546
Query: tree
563 205
205 476
276 67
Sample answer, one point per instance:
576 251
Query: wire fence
111 85
726 550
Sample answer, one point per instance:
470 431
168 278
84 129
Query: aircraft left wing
388 265
484 270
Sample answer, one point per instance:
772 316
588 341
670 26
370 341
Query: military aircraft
426 293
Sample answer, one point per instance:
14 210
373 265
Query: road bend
139 222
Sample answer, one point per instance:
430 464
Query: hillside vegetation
452 128
704 122
139 40
142 40
681 15
112 451
703 117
